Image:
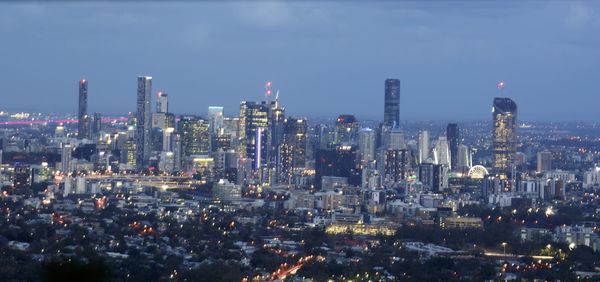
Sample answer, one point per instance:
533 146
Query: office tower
346 129
293 149
453 137
254 133
97 126
464 162
129 154
83 126
504 141
544 161
215 119
391 111
366 144
325 136
65 158
277 122
423 146
442 152
395 164
143 120
195 136
395 139
433 176
162 102
341 161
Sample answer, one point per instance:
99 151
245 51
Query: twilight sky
326 58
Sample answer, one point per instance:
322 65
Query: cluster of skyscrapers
262 146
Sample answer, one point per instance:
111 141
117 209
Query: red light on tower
268 89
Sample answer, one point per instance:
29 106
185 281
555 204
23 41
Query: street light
504 247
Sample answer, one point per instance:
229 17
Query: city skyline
420 44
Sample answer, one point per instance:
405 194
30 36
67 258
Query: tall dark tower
83 126
143 120
504 142
453 136
391 111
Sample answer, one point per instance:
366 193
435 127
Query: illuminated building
544 161
21 176
453 137
254 133
433 176
346 129
340 161
195 136
215 119
504 120
224 191
83 126
366 144
462 223
162 102
391 111
395 164
129 153
423 146
143 120
293 150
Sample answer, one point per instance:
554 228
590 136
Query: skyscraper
366 144
391 111
346 129
453 137
254 132
423 146
83 126
293 149
442 152
162 102
143 120
215 118
504 141
195 136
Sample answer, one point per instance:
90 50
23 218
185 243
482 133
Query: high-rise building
465 160
423 146
254 133
65 158
143 120
504 141
346 129
293 149
544 161
83 126
340 161
366 144
215 119
195 136
442 152
162 102
433 176
97 126
453 137
391 111
395 164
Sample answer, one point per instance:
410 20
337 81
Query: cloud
578 16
